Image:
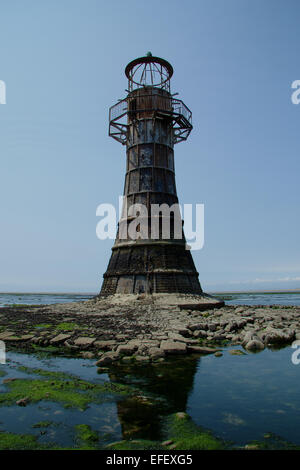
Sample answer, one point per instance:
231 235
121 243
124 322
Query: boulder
239 310
173 347
142 358
236 352
177 337
255 345
156 353
59 338
249 336
184 332
198 326
202 349
84 341
105 345
107 358
126 349
23 401
87 355
200 334
274 336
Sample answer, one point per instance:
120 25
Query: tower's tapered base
151 268
164 272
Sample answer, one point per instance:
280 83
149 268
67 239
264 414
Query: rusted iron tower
149 121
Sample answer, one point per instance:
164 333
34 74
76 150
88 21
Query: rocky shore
147 328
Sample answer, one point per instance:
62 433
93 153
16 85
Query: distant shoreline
280 291
273 291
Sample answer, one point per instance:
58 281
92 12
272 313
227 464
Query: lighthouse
148 122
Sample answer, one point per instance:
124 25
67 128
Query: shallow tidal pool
239 398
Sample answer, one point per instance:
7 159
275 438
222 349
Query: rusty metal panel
159 180
145 179
134 181
171 159
132 159
125 285
140 284
146 155
170 182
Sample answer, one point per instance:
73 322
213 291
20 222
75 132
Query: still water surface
239 398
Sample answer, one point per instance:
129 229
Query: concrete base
198 302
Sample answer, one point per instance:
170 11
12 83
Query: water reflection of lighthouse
165 390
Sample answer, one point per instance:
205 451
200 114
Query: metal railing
148 103
118 110
177 106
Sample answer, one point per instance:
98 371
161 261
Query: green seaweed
43 424
139 444
45 373
67 326
87 438
11 441
182 433
43 325
188 436
272 442
68 390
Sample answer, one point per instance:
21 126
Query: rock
135 343
177 337
26 337
7 381
252 446
87 354
127 359
202 349
142 358
218 354
59 338
198 326
167 443
84 341
126 349
236 352
105 345
232 326
102 370
212 327
173 347
249 336
273 336
107 358
239 310
70 346
121 337
181 415
200 334
156 353
236 338
255 345
173 446
23 401
6 334
184 332
219 337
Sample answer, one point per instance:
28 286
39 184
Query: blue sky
63 64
